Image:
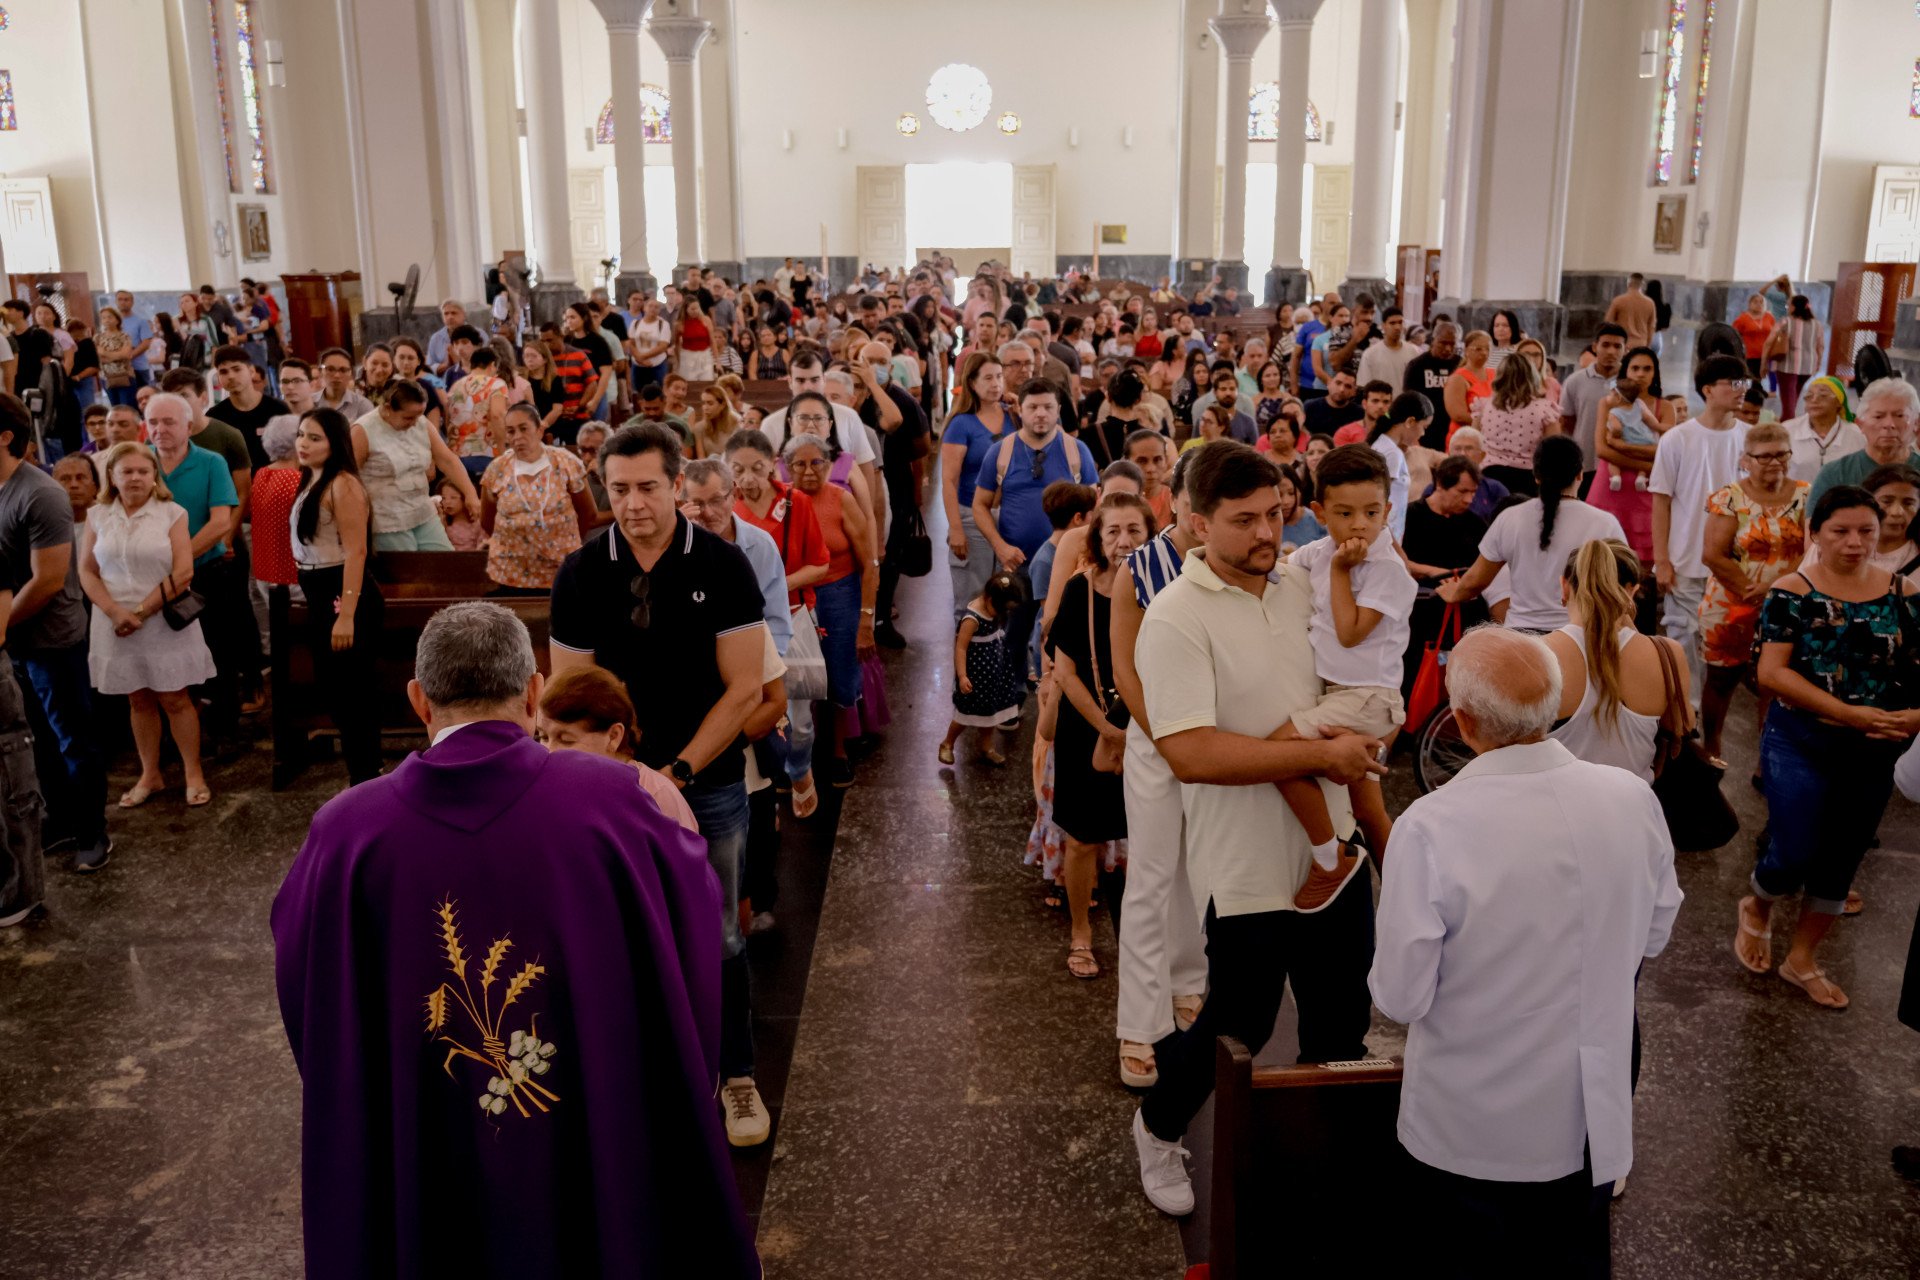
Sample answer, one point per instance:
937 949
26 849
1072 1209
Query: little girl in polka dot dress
988 685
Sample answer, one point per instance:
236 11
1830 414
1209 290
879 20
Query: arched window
1700 91
1263 114
10 122
254 109
656 118
5 21
220 94
1666 125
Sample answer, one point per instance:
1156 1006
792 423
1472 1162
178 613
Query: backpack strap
1006 454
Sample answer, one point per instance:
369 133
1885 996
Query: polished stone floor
951 1107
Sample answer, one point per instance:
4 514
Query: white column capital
1294 14
623 15
680 38
1239 34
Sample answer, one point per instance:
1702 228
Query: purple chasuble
499 970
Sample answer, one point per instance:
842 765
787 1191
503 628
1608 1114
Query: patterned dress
1768 543
998 687
534 524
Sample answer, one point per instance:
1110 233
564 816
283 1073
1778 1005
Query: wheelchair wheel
1441 751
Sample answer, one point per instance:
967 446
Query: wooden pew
1308 1176
415 585
770 394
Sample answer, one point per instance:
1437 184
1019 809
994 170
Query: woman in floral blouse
535 506
1756 532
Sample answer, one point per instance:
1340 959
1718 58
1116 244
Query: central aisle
944 1116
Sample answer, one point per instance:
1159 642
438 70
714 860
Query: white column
460 251
1290 150
1239 35
623 19
1199 141
547 140
680 39
1373 141
719 156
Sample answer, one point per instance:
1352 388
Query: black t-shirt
86 356
1323 416
593 349
615 324
899 447
1428 375
250 423
700 589
1452 542
32 348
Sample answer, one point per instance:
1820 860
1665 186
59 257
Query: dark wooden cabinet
322 311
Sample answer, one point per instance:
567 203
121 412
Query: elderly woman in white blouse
135 557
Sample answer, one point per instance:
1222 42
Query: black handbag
912 548
183 610
1686 780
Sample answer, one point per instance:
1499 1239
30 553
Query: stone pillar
1287 281
1509 155
680 39
1194 248
1374 143
1239 35
623 19
719 156
547 158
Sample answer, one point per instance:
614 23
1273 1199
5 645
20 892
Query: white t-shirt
1399 477
1380 582
848 432
648 334
1514 540
1382 363
1691 463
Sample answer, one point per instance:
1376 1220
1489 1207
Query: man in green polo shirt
1889 412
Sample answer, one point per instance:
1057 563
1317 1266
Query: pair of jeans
23 873
724 817
799 739
1680 620
837 609
428 535
1826 788
232 637
63 691
969 576
1250 960
347 676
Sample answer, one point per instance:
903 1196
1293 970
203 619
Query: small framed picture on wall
1669 224
256 243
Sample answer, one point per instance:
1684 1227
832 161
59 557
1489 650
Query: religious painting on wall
1669 224
256 245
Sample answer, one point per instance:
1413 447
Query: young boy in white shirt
1362 599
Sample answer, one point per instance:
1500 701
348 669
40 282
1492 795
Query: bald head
1504 686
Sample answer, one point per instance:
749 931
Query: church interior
942 1096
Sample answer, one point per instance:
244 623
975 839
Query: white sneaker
748 1123
1619 1186
1163 1174
17 917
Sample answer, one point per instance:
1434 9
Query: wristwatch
682 772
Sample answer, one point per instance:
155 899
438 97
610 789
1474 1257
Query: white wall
1610 209
42 50
1059 65
1869 73
1782 154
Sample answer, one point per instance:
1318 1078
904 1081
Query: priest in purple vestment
499 969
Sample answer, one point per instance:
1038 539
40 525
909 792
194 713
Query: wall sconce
840 136
1073 137
1649 53
276 65
1126 136
908 124
1009 123
786 139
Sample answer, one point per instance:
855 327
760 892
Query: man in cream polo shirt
1224 660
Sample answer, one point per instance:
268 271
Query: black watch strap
681 771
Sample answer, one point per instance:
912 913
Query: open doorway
965 210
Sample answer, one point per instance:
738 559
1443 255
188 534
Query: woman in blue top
980 418
1840 651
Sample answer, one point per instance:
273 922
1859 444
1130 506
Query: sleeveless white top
326 550
1629 745
395 474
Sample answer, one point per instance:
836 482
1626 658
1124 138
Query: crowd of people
1206 546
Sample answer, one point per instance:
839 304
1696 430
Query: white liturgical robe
1517 904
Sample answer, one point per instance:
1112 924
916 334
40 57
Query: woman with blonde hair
714 422
1513 420
1613 690
1472 381
134 558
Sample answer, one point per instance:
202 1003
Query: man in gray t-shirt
46 638
1584 389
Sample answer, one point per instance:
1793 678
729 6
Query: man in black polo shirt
676 613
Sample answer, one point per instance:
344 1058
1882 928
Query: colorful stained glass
250 94
1667 122
1263 114
220 94
8 121
1700 91
1913 98
656 118
6 22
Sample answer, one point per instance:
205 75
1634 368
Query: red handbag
1430 682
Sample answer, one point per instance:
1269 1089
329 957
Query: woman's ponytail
1601 577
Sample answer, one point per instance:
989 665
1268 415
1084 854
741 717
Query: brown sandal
1138 1070
1765 961
1080 962
1820 989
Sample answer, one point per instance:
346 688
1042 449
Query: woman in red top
270 504
693 343
1473 380
844 596
1755 326
786 514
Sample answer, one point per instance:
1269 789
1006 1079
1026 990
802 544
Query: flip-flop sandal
1855 904
1748 931
946 753
1086 951
1807 982
135 796
995 756
806 800
1138 1055
199 796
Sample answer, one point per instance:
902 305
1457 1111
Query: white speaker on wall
1126 136
786 139
1073 137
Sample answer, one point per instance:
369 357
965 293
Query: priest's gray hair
1507 682
474 654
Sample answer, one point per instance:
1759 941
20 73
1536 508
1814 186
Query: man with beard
1224 662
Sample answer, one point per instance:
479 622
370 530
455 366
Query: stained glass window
1667 123
1263 114
1700 91
8 121
656 118
250 93
1913 98
220 94
6 22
